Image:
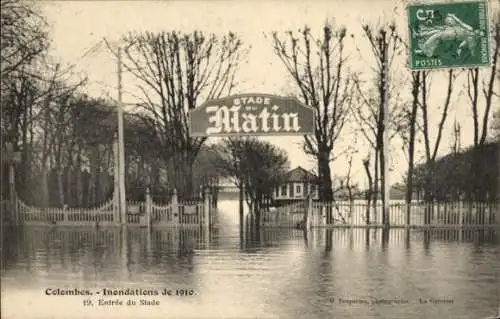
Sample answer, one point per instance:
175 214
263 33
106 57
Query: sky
78 27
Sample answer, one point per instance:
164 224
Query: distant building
227 185
299 183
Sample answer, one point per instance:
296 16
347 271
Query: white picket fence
192 213
23 214
354 214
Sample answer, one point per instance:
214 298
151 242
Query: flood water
341 273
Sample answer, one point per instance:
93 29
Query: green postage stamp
447 35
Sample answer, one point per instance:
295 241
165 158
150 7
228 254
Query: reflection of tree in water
367 238
83 248
103 254
54 249
385 237
11 243
174 250
255 238
329 240
253 235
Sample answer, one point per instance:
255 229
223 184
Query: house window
298 190
306 189
277 192
284 189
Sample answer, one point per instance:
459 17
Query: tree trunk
70 187
154 176
241 204
142 171
429 192
489 92
325 179
190 159
257 209
91 199
411 144
326 191
60 186
45 187
375 184
381 150
369 193
409 183
21 176
79 181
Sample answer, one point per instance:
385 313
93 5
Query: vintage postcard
250 159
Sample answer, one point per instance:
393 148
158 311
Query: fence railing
22 213
360 214
194 213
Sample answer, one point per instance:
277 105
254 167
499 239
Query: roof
300 174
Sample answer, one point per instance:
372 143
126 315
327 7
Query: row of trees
320 69
67 138
471 175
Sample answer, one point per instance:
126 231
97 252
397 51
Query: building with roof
298 184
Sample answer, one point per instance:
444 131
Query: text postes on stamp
448 35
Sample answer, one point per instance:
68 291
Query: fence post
148 208
309 212
206 210
460 213
175 208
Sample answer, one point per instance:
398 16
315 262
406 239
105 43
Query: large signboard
448 35
252 114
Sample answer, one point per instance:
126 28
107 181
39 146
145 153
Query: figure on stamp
453 29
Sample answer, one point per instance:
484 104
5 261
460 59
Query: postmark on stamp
449 35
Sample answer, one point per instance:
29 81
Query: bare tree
487 87
319 70
412 137
28 116
177 72
370 114
24 36
456 138
408 128
369 191
431 151
23 40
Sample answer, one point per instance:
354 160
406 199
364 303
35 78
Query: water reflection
264 273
